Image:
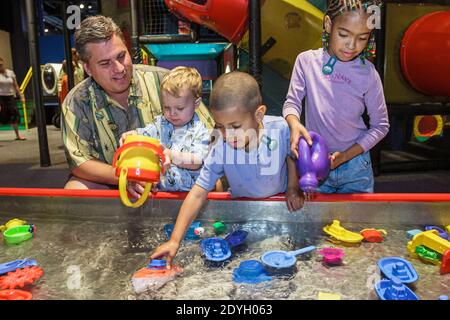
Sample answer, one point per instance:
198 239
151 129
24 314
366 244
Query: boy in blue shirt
252 150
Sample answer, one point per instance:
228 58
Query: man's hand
126 134
168 249
294 198
136 189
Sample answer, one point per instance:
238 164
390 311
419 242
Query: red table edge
360 197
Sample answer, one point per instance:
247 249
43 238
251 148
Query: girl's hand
294 199
298 131
337 159
126 134
168 249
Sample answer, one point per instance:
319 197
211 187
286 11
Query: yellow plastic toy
336 231
11 224
429 239
138 159
328 296
448 228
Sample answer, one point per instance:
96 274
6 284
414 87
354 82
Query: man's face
110 65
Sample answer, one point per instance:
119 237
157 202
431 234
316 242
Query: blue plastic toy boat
156 264
394 289
17 264
190 234
236 238
250 271
283 259
397 267
215 249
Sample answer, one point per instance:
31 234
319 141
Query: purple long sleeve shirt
335 103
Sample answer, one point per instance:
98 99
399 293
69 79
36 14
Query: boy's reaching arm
294 196
194 201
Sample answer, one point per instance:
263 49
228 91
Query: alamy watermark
74 20
374 21
74 280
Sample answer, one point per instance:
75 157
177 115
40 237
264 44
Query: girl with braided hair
339 84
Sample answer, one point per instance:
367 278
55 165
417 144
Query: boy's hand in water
126 134
297 131
168 250
294 199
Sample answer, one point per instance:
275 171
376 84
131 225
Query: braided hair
338 7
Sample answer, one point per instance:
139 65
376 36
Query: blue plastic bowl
250 271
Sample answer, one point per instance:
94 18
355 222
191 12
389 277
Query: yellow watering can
138 159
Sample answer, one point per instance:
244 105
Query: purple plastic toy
313 162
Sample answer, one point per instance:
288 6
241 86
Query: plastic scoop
283 259
16 264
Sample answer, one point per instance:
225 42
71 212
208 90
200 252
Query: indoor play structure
411 59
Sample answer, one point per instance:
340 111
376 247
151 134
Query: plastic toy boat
215 249
250 271
373 235
283 259
17 264
332 256
442 233
394 267
236 238
394 289
190 233
336 231
11 224
15 294
154 276
18 234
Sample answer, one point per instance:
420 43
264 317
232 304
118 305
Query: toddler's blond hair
181 78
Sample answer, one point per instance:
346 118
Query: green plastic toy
428 255
19 234
219 227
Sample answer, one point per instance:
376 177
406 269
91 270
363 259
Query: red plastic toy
12 294
20 277
228 18
445 265
373 235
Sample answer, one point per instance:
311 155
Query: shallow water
93 260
